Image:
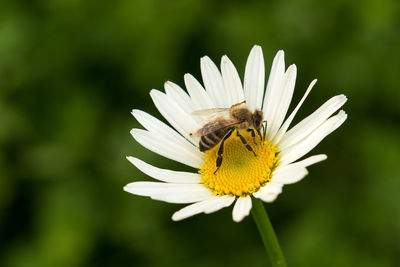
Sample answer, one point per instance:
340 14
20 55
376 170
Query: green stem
267 233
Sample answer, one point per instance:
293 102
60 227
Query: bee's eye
256 121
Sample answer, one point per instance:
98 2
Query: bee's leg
264 129
253 134
238 104
259 134
249 148
221 151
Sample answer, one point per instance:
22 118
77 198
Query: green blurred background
71 71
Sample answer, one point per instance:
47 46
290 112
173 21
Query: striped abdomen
210 140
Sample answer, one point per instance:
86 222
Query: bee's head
257 119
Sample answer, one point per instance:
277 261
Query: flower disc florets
241 173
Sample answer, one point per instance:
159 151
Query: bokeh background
71 71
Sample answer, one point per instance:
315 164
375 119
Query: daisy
276 160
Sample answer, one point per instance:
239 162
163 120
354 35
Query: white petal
153 188
254 78
164 174
175 115
199 96
312 122
156 126
298 150
290 176
303 163
184 197
289 120
274 85
168 149
179 95
207 206
241 209
231 80
190 210
221 202
213 82
283 97
269 192
168 192
292 173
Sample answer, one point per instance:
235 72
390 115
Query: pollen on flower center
241 173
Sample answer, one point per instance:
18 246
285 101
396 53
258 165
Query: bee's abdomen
212 139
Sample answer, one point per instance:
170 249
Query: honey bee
216 131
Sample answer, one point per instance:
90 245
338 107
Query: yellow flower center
241 173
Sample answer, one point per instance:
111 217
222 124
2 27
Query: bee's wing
215 125
210 111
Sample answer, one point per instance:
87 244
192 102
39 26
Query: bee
218 130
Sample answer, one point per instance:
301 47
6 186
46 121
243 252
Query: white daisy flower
242 174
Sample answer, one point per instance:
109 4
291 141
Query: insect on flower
247 149
219 129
